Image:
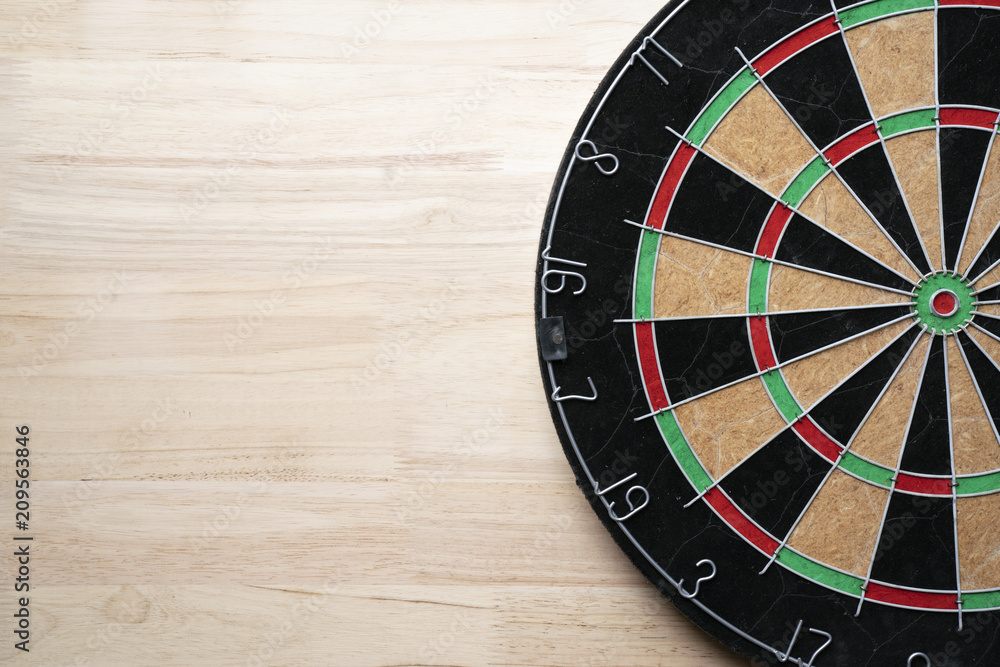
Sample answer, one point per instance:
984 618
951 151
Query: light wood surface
267 307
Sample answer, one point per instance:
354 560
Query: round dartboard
768 307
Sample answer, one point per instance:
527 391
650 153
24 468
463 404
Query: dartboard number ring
768 316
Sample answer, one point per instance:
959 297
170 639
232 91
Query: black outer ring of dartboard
703 621
718 630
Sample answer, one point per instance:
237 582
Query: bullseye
944 303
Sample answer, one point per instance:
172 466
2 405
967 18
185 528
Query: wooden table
267 308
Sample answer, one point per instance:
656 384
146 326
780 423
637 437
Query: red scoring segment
797 42
851 144
668 186
650 366
721 503
906 598
934 486
761 341
971 117
809 431
775 225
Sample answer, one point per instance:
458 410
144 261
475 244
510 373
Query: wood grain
258 273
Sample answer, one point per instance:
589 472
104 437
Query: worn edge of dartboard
704 617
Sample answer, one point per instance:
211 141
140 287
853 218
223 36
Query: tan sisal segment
986 216
975 444
914 157
840 528
695 280
988 343
991 277
989 309
833 207
757 139
811 378
794 289
725 427
895 59
978 542
881 437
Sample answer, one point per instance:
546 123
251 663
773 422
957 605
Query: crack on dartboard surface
808 249
621 421
652 477
899 632
968 44
781 597
859 51
681 377
683 545
593 240
637 154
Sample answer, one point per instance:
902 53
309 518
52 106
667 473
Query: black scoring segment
984 371
870 176
968 50
796 334
928 439
989 294
842 412
963 158
917 545
775 484
989 256
697 356
819 90
805 243
719 207
990 324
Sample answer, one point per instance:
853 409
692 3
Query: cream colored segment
895 61
990 278
986 215
794 289
989 309
881 437
914 157
760 143
841 526
988 343
978 542
696 280
832 206
810 379
723 428
975 445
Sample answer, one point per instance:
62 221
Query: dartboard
768 316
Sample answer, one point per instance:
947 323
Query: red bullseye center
944 303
